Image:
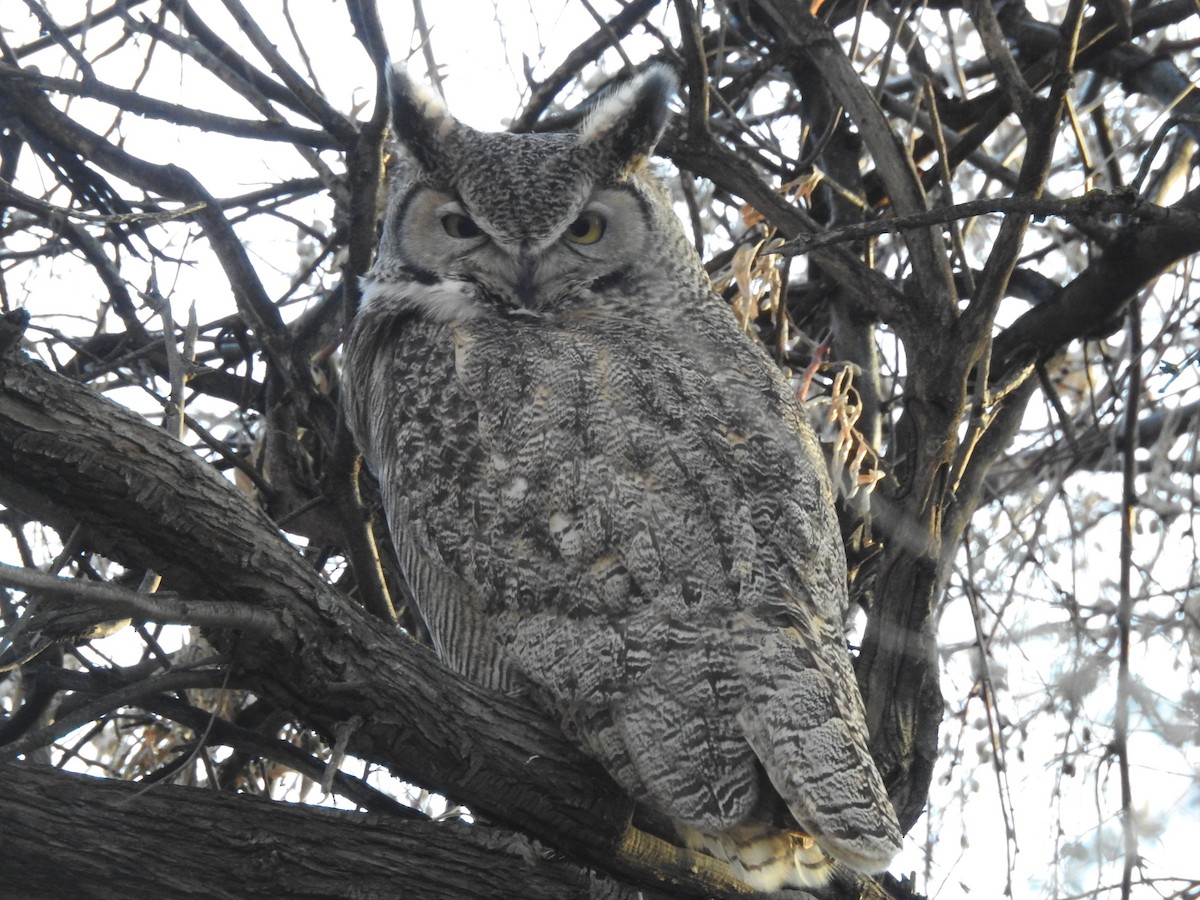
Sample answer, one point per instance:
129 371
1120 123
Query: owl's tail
764 856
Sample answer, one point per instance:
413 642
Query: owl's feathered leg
765 857
642 850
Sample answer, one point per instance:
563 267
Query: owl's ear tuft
420 120
629 120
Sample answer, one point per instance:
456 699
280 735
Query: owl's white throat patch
448 299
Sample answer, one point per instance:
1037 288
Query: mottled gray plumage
604 493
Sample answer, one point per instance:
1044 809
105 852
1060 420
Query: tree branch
1138 254
172 841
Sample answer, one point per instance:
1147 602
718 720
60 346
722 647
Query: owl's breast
629 465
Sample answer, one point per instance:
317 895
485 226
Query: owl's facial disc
525 265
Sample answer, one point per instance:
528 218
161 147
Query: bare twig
1094 205
1129 508
165 607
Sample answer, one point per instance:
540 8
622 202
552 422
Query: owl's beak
526 276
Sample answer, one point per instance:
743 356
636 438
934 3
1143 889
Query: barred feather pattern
604 494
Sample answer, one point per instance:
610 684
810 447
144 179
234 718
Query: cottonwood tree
968 229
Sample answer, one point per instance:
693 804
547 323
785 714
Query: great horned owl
603 493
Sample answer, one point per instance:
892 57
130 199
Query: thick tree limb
73 836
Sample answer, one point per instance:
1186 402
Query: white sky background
483 59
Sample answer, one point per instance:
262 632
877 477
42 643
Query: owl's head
492 223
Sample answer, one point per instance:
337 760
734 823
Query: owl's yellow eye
587 229
459 226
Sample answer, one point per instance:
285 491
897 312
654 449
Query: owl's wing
805 722
461 633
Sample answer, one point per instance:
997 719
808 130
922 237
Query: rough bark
99 839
